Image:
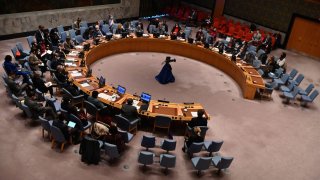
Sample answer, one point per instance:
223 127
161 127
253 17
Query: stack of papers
70 59
85 84
76 74
108 97
70 64
73 53
194 114
135 104
79 47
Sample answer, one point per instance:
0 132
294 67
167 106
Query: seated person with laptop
198 121
145 99
129 111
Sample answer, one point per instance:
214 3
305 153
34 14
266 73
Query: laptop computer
145 98
121 90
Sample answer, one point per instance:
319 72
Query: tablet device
71 124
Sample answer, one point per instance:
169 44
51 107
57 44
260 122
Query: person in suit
54 36
39 84
40 35
76 26
198 121
165 76
38 108
129 111
93 99
61 74
10 68
62 126
200 35
195 138
14 87
68 45
34 62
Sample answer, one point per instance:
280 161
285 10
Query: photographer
165 76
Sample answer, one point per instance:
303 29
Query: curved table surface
246 76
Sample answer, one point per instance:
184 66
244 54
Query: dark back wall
274 14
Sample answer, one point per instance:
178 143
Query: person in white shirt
282 60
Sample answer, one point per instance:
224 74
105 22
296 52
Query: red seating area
182 13
236 30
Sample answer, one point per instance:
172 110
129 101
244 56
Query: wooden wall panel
218 10
305 37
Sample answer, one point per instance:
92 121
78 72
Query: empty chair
52 102
111 150
48 63
187 33
148 142
46 125
72 34
79 39
14 51
82 30
21 49
307 99
74 99
91 109
114 28
126 136
307 91
63 36
194 148
60 29
30 39
57 136
151 28
278 82
293 73
201 163
124 124
291 95
267 91
168 145
105 29
221 162
145 158
288 88
167 161
162 122
212 146
84 24
261 72
298 80
256 63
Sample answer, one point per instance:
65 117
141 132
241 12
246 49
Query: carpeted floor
268 139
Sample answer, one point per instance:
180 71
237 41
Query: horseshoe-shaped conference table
246 76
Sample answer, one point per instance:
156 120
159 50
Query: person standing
165 76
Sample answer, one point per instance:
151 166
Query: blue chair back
187 33
203 163
20 47
63 36
105 28
169 145
111 150
148 141
82 30
90 108
293 73
26 110
314 94
195 147
309 89
126 136
299 79
76 120
145 157
60 29
167 160
79 39
84 24
57 134
72 34
14 52
30 39
224 163
162 121
45 124
152 28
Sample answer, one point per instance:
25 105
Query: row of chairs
182 13
289 86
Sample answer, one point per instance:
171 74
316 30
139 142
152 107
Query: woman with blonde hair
196 137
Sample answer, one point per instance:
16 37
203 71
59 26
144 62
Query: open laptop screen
121 90
145 97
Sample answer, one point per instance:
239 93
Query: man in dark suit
14 87
93 99
198 121
129 111
38 108
40 34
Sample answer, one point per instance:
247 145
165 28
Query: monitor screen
145 97
121 90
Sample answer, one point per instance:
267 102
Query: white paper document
85 85
194 114
108 97
76 74
70 59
